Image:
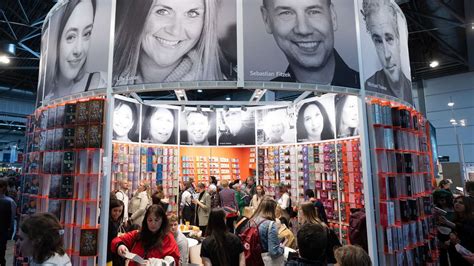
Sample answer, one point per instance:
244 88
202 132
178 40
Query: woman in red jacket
153 240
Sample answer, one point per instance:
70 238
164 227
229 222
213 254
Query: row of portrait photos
315 119
161 41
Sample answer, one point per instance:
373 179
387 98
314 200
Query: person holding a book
41 238
153 240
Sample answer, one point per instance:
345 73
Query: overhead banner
160 41
77 53
236 127
198 128
384 36
275 126
126 121
310 41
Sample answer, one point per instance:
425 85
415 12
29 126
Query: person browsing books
153 240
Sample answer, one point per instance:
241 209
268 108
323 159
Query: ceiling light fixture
199 90
434 64
227 98
451 104
452 120
4 59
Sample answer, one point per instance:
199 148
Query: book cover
43 120
58 140
51 117
82 112
60 112
95 136
80 137
47 159
54 207
70 114
67 187
55 187
42 138
88 242
96 111
69 137
49 139
68 162
56 163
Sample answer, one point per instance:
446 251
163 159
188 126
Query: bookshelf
62 172
406 227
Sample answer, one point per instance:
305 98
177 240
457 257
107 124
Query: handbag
267 259
230 212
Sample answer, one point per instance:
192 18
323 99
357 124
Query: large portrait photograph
275 126
42 65
384 36
126 121
347 115
77 57
159 125
315 119
305 41
198 128
158 41
236 127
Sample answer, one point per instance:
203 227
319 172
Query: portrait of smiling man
199 125
304 32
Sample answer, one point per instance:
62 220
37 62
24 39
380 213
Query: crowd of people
240 225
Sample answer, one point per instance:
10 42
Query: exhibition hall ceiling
437 31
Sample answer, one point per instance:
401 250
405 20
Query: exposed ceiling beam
9 25
23 11
302 96
28 49
452 12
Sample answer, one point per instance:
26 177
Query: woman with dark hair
69 75
221 248
347 116
166 41
41 238
307 214
158 126
463 230
125 121
115 223
153 240
313 123
258 197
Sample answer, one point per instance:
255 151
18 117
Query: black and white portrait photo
275 126
387 64
347 115
236 127
198 128
306 41
174 40
126 121
159 125
315 118
42 65
77 56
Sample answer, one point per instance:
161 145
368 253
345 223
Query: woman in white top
41 238
284 200
257 198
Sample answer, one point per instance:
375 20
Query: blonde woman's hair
310 215
350 255
266 209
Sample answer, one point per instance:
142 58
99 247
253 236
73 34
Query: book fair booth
353 139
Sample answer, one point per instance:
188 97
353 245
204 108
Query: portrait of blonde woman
167 41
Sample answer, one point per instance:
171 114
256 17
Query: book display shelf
63 170
154 164
406 226
200 168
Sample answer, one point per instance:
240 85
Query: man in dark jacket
312 242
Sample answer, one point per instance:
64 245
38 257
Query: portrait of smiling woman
74 25
313 123
125 121
159 125
166 41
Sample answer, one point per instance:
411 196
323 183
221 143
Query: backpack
252 245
